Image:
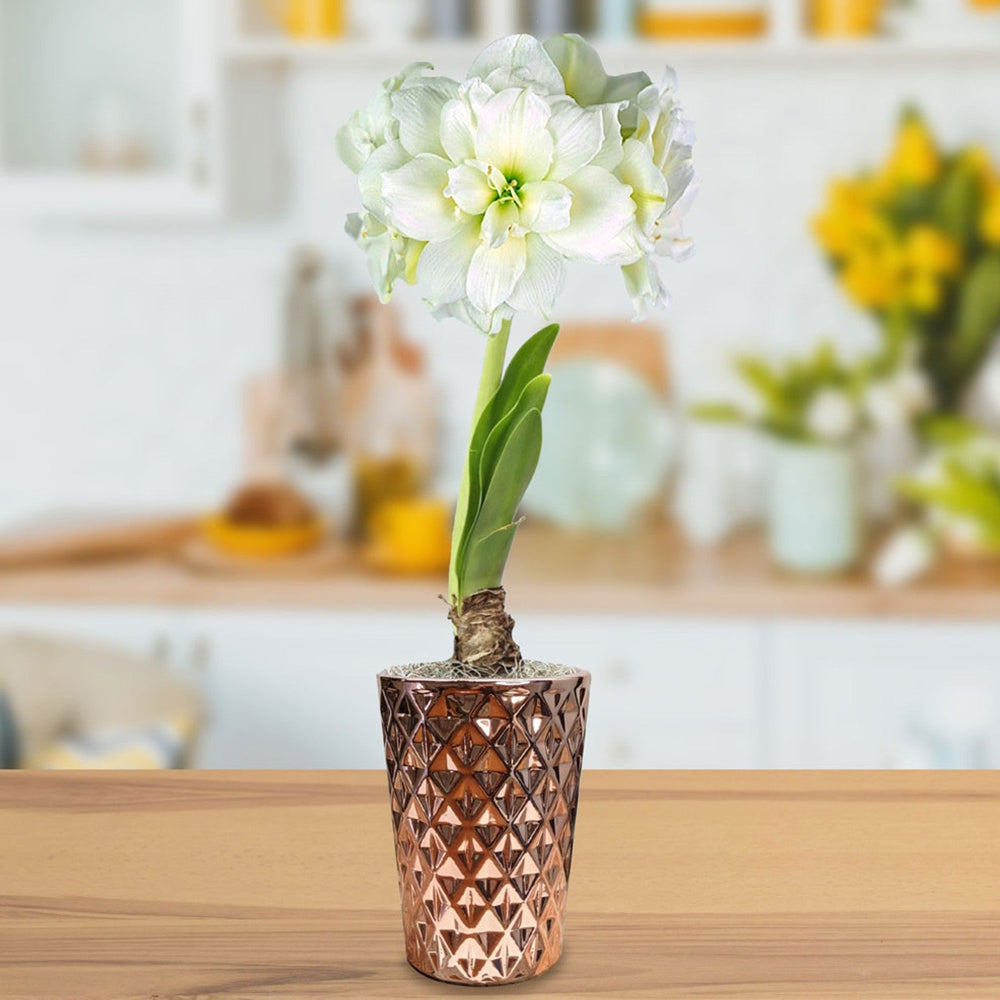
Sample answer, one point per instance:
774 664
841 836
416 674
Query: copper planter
483 781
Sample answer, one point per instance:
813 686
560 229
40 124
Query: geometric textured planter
483 780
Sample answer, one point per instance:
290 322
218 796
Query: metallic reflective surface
483 782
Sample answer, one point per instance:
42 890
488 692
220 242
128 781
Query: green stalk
489 382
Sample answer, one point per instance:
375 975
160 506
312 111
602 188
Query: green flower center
506 188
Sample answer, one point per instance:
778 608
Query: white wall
123 349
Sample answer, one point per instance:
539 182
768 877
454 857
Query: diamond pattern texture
483 781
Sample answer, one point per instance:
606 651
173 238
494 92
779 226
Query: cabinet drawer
862 694
665 693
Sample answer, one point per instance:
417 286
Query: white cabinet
297 689
110 108
147 631
859 694
291 689
666 693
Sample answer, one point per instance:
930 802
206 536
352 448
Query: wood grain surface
247 885
652 572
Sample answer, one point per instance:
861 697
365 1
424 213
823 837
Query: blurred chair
79 704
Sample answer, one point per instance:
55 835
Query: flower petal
465 312
545 206
644 287
579 66
500 221
511 135
385 158
468 186
649 187
418 109
517 61
458 131
443 265
542 280
579 135
610 153
493 273
415 201
601 219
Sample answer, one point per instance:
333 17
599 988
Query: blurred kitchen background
768 520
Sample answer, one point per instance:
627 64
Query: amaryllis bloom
480 191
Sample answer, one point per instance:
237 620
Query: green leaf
532 398
523 370
977 322
492 534
724 413
956 210
946 430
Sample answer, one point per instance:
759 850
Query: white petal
542 279
579 135
465 312
471 191
418 109
458 131
353 144
511 135
580 67
385 158
444 265
649 187
644 287
415 201
500 221
517 61
494 272
545 206
610 153
601 218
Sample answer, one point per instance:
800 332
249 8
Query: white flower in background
832 416
892 403
906 556
480 191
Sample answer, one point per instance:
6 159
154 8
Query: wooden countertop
654 572
251 885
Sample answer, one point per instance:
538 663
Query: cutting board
72 537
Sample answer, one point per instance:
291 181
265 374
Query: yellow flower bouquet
916 242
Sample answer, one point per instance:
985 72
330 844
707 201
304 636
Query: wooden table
246 885
652 572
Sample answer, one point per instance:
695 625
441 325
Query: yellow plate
256 542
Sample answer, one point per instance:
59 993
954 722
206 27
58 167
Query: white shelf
360 53
106 197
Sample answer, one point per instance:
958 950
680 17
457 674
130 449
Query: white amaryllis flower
480 191
832 416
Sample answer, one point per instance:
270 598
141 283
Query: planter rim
501 682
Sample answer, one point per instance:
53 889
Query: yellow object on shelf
253 541
845 18
308 20
702 19
410 536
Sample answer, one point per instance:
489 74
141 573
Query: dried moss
447 670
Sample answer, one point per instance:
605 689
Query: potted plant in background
814 411
916 243
480 191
